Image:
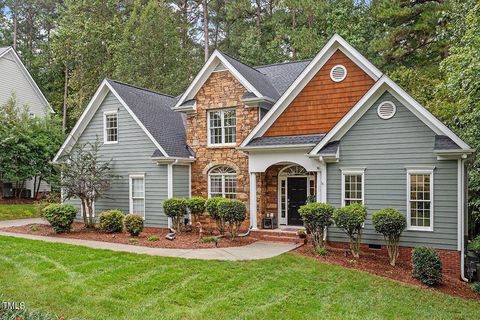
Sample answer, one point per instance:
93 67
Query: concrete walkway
254 251
21 222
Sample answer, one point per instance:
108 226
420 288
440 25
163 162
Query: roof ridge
236 59
282 63
140 88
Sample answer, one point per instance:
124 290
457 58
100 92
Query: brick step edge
280 239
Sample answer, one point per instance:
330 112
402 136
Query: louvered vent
338 73
386 110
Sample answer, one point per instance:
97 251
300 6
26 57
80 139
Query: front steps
277 236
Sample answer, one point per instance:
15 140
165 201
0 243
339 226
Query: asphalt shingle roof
330 148
154 111
286 140
445 143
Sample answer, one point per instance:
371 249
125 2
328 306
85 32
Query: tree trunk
205 28
294 27
91 224
15 24
258 14
65 95
184 10
37 191
84 213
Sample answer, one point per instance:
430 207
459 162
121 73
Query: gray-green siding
385 148
181 181
132 154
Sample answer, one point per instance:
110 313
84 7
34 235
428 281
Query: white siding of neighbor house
14 81
384 148
131 155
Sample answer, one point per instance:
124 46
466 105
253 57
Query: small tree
86 177
211 205
351 219
317 217
390 223
176 209
234 213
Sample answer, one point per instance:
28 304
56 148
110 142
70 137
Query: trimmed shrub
111 221
176 209
317 217
475 245
351 219
391 223
60 216
234 213
211 205
133 224
321 251
476 287
196 205
427 266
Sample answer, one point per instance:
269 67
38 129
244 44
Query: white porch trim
253 201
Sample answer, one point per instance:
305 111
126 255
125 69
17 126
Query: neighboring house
15 80
334 128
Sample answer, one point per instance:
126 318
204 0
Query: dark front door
297 196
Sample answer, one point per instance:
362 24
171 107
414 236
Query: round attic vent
338 73
386 110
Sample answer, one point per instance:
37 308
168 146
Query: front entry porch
279 192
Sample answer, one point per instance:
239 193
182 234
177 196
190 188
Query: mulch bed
379 265
184 240
18 201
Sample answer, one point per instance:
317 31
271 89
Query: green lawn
18 211
96 284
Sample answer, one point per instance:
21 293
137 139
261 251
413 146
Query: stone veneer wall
221 90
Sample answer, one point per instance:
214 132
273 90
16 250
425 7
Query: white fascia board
88 114
27 74
335 43
155 142
206 71
372 95
277 147
84 119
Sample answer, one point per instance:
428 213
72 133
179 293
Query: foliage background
430 47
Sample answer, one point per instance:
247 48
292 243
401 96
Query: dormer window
110 127
222 129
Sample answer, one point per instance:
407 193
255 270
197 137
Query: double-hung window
222 127
137 194
110 127
420 200
353 183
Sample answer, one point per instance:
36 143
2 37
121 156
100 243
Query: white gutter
461 207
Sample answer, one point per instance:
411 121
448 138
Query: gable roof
382 85
3 53
152 112
282 75
334 44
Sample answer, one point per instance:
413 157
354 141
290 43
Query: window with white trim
353 187
137 194
420 200
222 128
110 127
222 182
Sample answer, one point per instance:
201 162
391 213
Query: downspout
461 169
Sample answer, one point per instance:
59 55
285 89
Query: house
16 81
334 128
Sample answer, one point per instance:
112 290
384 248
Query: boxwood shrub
196 205
351 219
176 209
111 221
233 212
60 216
133 224
390 223
317 217
427 266
211 205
